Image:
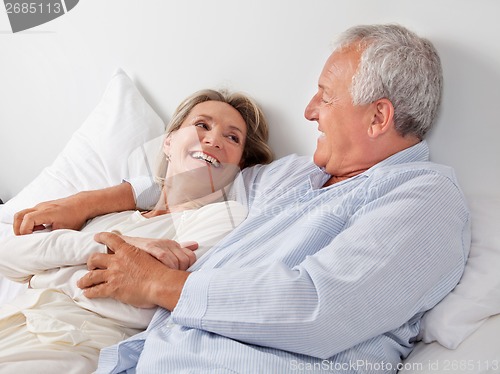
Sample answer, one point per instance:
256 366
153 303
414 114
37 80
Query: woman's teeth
209 159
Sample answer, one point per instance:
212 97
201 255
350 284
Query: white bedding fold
24 256
57 259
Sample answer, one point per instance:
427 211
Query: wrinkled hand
169 252
131 275
64 213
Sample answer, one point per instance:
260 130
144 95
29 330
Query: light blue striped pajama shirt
316 279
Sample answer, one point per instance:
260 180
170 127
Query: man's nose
311 112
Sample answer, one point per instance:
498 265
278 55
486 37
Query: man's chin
319 160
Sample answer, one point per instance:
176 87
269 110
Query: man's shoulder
412 170
412 162
421 180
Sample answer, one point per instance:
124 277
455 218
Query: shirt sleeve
146 192
397 257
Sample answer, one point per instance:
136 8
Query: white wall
53 75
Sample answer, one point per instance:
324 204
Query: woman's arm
72 212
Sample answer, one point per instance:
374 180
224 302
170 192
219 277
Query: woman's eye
202 125
234 139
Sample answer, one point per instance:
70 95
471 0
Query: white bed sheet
8 289
5 229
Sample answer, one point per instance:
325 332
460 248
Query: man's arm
72 212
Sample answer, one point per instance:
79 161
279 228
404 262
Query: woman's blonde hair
256 150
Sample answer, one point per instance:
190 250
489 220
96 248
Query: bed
80 63
459 335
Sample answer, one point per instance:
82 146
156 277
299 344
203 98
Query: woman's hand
73 211
169 252
67 213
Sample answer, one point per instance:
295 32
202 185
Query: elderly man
338 259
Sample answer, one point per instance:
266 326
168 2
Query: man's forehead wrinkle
333 71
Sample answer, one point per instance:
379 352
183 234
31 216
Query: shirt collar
417 153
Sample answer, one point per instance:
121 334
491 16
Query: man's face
343 127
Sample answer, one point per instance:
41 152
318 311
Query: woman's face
209 143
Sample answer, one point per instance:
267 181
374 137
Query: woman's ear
382 118
166 145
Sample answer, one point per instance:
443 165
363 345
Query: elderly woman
211 136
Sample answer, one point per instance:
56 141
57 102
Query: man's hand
169 252
72 212
131 275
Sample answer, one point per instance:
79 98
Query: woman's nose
213 138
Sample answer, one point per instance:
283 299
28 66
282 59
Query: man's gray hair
398 65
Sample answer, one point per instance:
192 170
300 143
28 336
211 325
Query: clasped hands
141 272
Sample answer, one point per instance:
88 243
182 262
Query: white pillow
479 353
108 147
477 296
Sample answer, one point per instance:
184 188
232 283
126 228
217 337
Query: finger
16 224
193 246
91 279
101 290
98 261
34 219
39 227
29 222
109 239
137 242
167 258
149 245
18 220
181 258
188 259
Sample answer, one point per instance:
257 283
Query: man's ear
382 119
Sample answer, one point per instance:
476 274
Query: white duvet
54 308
